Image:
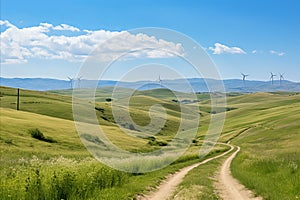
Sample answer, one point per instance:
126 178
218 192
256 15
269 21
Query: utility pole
18 100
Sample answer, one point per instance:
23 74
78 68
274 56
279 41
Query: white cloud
20 44
5 23
223 49
65 27
254 51
277 53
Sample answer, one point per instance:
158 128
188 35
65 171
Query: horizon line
52 78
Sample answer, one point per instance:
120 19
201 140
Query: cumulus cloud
65 27
223 49
277 53
140 45
5 23
20 44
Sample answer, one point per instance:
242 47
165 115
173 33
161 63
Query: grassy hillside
38 102
14 135
32 168
265 125
60 106
271 153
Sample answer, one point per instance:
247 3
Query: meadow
62 168
265 125
268 131
270 158
267 128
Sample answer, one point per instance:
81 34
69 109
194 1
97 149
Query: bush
99 109
157 143
108 99
8 141
131 127
37 134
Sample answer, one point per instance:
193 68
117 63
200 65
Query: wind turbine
79 79
71 82
244 77
281 77
272 77
160 81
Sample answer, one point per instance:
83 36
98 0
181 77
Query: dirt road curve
228 187
167 187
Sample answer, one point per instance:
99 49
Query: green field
265 125
270 158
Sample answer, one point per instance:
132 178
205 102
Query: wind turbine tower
244 77
71 82
160 81
281 78
272 77
79 80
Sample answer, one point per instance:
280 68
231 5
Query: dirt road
167 187
228 187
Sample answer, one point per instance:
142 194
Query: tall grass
272 178
77 178
58 178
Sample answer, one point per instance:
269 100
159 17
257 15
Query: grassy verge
67 178
269 161
58 178
272 178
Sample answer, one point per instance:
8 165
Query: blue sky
266 31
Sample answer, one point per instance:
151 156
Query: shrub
99 109
8 141
108 99
152 138
131 127
157 143
37 134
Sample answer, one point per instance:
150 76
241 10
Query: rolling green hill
25 159
265 125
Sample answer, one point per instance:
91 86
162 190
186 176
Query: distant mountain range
197 84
